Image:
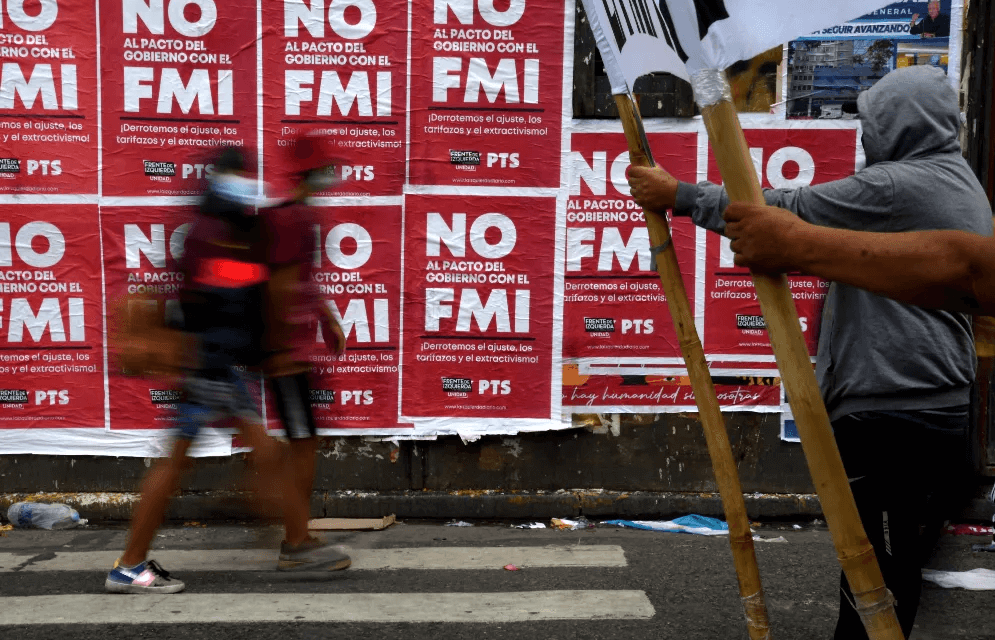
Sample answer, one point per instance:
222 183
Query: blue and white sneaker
147 577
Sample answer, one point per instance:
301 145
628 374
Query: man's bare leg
157 490
297 503
268 461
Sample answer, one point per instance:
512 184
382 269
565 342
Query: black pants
909 471
292 397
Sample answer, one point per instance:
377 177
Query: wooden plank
350 524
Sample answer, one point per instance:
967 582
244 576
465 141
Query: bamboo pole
716 436
873 601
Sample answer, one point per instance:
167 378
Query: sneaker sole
304 565
119 587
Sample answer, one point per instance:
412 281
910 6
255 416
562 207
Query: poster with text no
478 307
784 158
340 68
178 82
359 278
51 336
48 97
486 94
141 248
614 305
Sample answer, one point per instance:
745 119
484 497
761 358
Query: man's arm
861 201
951 270
331 330
652 188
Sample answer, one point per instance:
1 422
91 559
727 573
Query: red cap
311 150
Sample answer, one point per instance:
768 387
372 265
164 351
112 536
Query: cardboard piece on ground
350 524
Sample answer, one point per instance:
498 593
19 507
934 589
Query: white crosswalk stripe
308 607
227 608
432 558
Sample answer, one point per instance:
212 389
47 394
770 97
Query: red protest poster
141 248
340 68
178 82
359 277
48 97
613 304
478 310
785 158
627 393
51 326
486 93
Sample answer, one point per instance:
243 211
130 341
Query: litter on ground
579 523
975 579
763 539
700 525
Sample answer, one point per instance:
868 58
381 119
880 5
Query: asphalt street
421 580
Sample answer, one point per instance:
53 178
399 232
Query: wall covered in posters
482 250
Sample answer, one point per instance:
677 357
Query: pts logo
357 397
465 385
494 387
325 397
503 160
54 396
642 326
47 167
359 172
201 170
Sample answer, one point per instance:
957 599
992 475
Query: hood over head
910 113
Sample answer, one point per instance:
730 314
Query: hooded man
895 379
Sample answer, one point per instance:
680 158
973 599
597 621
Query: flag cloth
682 37
694 523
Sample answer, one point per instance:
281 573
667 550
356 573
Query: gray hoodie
874 353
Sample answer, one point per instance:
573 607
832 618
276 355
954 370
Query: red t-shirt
290 243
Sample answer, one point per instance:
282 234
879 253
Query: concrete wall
646 465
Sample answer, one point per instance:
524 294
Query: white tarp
975 579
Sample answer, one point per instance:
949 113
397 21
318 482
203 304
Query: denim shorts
210 396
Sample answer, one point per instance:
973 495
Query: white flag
682 37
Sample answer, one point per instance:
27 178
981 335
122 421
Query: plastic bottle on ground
38 515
